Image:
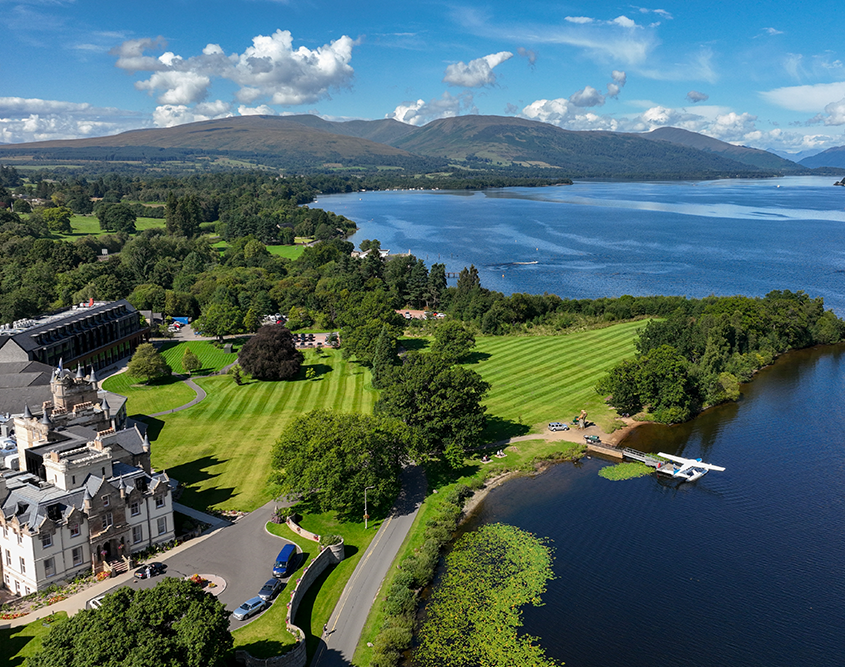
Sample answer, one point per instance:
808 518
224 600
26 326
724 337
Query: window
8 558
135 509
46 541
17 587
20 538
108 520
137 534
159 502
162 526
77 555
23 566
26 590
105 500
5 532
74 530
50 567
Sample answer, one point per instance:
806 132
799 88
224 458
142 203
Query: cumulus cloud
476 73
34 119
261 110
810 98
579 19
563 113
694 96
271 70
835 113
588 97
422 112
615 86
168 115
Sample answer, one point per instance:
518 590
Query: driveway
242 554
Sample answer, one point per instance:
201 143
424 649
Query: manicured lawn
213 359
83 225
289 251
147 399
538 379
17 644
220 448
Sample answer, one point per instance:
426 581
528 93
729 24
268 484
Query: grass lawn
538 379
147 399
211 357
84 225
17 644
220 448
289 251
322 596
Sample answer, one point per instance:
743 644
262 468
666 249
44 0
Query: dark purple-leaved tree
271 354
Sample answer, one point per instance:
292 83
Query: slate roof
24 383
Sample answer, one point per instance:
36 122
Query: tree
220 319
251 321
58 219
190 361
174 624
335 456
362 322
236 375
116 217
271 354
147 362
384 358
452 341
440 401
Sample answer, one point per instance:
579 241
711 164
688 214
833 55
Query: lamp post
366 516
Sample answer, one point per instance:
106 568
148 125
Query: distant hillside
508 140
832 157
478 144
753 157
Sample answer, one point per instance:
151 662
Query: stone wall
297 657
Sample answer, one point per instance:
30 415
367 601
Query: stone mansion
84 497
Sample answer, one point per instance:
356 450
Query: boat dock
605 450
648 459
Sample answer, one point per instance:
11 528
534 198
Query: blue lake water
608 239
741 568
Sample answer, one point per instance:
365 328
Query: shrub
329 540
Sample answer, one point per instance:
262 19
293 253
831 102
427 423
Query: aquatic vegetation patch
627 470
475 614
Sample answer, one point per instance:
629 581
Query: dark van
284 561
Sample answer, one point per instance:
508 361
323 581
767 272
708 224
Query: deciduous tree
147 362
271 354
190 361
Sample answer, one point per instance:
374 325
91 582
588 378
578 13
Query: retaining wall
297 657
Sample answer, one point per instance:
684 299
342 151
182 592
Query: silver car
270 589
249 608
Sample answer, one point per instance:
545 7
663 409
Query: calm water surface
607 239
744 567
741 568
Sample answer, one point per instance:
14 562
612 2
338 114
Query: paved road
350 614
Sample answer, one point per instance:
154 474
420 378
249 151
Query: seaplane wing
686 464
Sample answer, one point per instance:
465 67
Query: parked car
270 589
594 439
249 608
558 426
150 570
284 561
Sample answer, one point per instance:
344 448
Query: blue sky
769 75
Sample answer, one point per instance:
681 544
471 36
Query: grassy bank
523 457
17 644
220 448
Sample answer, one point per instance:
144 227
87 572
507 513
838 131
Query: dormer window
105 501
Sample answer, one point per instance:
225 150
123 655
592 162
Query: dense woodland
693 357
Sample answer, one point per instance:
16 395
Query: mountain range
308 142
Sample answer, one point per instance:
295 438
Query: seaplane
687 470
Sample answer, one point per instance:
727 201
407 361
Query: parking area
242 554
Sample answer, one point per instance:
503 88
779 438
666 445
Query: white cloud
262 110
835 113
270 70
563 113
527 53
625 22
422 112
588 97
168 115
34 119
619 80
810 98
579 19
772 31
476 73
694 96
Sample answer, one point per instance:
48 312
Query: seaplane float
687 470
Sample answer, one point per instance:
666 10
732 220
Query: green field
83 225
289 251
538 379
220 448
212 358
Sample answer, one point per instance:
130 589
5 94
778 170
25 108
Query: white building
85 498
